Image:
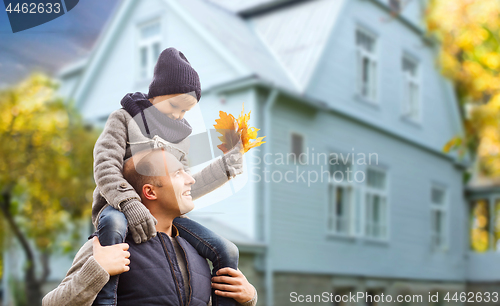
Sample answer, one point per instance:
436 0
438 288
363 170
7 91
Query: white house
372 204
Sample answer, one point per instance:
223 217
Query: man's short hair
145 168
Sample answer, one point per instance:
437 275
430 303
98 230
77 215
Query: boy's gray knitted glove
141 222
233 160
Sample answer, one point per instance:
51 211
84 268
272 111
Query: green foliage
469 33
46 164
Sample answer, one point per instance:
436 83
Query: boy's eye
174 106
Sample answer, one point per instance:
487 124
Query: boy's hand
234 160
141 222
114 258
232 283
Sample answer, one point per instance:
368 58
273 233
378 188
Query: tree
469 32
45 173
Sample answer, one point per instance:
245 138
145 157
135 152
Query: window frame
331 216
443 208
298 160
147 43
491 201
407 107
382 193
372 56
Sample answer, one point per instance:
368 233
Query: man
165 270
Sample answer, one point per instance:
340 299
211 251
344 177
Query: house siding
299 212
335 78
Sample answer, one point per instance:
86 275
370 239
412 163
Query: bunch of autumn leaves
233 130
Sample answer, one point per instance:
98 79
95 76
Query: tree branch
44 259
5 208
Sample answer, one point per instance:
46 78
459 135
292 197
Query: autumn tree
45 174
469 32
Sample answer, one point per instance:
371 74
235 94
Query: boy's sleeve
109 152
82 283
210 178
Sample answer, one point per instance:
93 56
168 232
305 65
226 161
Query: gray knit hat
173 74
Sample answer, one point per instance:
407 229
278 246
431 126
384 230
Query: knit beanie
173 74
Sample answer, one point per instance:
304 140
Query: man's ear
149 192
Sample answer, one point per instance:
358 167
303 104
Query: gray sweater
120 139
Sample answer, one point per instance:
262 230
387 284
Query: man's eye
174 106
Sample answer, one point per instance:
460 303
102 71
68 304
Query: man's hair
147 170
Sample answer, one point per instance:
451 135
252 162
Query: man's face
175 193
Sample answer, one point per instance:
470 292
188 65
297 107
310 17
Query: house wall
412 11
335 78
235 202
68 83
321 289
299 212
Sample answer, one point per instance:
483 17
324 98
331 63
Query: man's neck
164 224
163 217
167 229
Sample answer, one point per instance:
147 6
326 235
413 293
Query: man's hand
235 285
114 258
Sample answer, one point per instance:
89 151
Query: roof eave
266 7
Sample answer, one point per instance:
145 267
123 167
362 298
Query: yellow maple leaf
227 126
233 130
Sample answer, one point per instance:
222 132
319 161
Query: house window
479 231
367 64
149 45
340 199
411 100
438 217
297 148
376 204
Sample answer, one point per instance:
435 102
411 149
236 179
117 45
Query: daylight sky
54 44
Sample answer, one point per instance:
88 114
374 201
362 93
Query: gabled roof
242 5
297 35
235 34
72 68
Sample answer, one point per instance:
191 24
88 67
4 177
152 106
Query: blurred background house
352 80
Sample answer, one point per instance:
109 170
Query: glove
233 160
141 222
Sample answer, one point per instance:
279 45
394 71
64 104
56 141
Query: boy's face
175 106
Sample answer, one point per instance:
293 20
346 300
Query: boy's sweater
121 138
